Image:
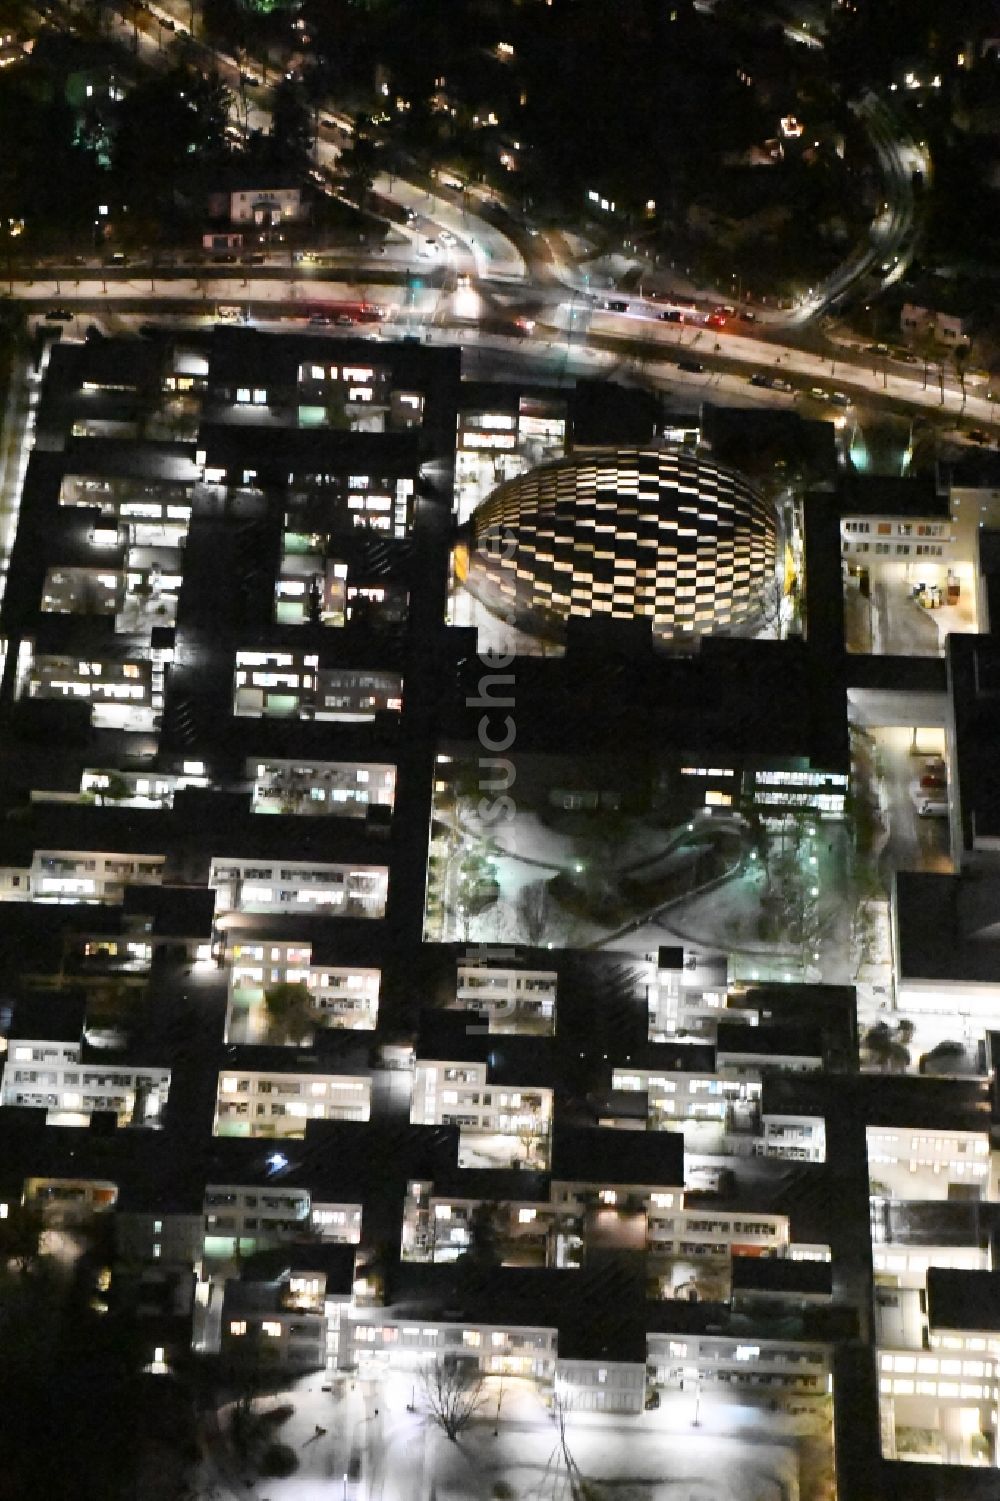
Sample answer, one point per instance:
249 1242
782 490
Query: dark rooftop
963 1300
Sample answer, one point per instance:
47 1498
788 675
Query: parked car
59 315
934 779
691 366
932 808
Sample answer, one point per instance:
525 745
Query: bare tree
561 1407
533 909
21 1238
454 1393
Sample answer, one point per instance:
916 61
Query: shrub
278 1461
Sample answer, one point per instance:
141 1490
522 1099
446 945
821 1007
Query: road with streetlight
641 348
491 252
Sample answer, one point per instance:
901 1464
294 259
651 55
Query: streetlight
15 227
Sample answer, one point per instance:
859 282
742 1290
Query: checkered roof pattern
632 531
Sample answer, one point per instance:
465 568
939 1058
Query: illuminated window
271 1328
238 1326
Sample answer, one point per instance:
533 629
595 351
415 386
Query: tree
454 1392
21 1237
960 358
168 127
291 134
927 347
533 911
358 165
483 1247
290 1010
886 1047
223 23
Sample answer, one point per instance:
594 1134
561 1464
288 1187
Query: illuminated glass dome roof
623 532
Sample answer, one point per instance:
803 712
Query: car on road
929 802
818 394
118 258
932 780
777 384
320 320
760 379
344 320
671 315
976 435
840 398
691 366
447 238
748 317
59 315
615 306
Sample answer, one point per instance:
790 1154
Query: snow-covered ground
360 1441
